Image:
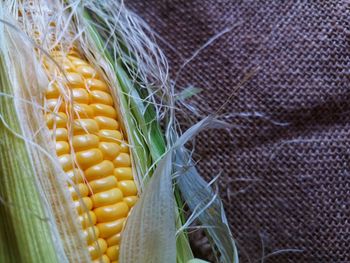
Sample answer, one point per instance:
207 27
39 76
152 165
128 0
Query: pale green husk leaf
150 229
25 226
40 178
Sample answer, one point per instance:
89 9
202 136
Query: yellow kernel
66 162
103 184
110 150
91 234
73 52
103 259
87 219
85 142
122 160
77 61
76 175
56 54
83 205
81 96
96 249
63 62
98 96
107 197
62 147
130 200
88 158
100 170
58 120
52 91
66 65
83 111
107 123
104 110
128 187
111 228
79 190
111 212
124 147
61 134
82 126
86 71
74 79
114 240
55 105
113 252
96 84
110 136
123 173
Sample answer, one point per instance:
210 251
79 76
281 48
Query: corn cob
93 152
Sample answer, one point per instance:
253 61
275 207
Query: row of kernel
107 198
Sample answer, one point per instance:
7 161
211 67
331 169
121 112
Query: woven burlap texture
285 164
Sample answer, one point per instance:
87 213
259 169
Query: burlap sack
285 165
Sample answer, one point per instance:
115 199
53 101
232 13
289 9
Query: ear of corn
93 151
92 190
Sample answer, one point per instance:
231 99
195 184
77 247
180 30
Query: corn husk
33 203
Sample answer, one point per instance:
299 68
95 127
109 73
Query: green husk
24 228
35 185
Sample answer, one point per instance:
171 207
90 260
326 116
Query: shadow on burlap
285 174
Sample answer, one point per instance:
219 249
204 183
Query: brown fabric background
285 180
